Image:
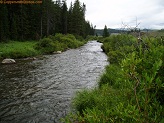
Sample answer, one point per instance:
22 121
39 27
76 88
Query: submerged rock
8 61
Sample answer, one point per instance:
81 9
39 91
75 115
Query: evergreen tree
77 18
49 16
64 17
4 25
105 32
70 19
14 27
57 17
33 21
90 30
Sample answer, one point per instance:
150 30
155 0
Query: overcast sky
149 13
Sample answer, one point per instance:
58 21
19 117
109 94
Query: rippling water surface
40 91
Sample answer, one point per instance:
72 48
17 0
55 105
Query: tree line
34 21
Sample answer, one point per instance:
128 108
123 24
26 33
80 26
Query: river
40 91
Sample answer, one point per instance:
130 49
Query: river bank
41 91
131 89
49 45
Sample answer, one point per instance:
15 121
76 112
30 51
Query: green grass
15 49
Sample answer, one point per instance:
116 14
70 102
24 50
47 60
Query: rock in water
8 61
58 52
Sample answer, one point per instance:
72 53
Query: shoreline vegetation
132 88
47 45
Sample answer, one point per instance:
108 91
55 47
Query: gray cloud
150 13
161 24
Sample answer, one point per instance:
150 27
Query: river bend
40 91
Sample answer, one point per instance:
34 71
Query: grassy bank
59 42
132 88
15 49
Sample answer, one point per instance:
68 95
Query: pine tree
34 21
64 16
48 17
24 22
70 19
4 28
14 21
105 32
78 18
14 28
57 24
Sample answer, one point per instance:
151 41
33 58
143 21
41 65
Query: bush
59 42
103 105
70 36
84 100
57 37
109 77
70 43
46 45
79 38
131 90
91 37
100 39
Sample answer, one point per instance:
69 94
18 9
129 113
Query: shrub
103 105
58 36
59 42
91 37
53 38
67 41
70 36
46 45
83 100
114 57
100 39
131 90
79 38
109 77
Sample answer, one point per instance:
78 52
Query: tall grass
15 49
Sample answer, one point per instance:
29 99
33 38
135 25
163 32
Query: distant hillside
100 31
148 30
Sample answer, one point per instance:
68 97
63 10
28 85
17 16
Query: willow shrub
59 42
131 90
46 45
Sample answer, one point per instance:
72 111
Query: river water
40 91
